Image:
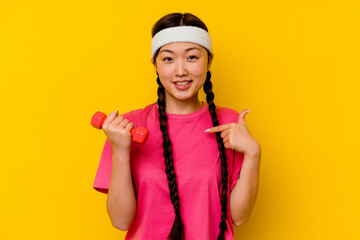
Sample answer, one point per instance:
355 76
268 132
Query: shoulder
140 116
226 115
139 112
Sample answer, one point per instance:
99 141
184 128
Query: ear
153 63
210 61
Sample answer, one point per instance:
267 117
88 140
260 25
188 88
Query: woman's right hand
117 130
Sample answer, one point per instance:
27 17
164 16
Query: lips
183 84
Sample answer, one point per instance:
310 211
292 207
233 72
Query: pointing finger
219 128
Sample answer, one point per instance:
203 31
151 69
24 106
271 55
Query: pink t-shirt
198 174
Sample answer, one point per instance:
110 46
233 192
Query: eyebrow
188 49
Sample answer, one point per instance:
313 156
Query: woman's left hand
236 136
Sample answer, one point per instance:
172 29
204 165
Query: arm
236 136
244 193
121 203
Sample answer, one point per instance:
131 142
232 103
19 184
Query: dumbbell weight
138 135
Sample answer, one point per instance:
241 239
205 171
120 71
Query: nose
180 68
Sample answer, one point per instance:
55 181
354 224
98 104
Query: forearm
121 202
244 193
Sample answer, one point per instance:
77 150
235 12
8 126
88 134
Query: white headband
181 34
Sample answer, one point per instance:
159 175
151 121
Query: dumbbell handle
139 134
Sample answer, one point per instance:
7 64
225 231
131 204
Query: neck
176 106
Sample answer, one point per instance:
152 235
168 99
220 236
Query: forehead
180 47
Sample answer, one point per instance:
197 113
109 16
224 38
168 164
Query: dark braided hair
224 173
177 230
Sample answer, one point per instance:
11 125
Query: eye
164 59
193 57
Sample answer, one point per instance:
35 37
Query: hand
117 130
236 136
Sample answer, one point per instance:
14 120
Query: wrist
121 153
255 151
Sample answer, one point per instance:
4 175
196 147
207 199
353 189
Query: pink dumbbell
139 134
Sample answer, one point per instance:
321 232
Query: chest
195 154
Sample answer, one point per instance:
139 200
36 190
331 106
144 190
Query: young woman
185 181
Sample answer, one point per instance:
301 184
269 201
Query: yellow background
294 63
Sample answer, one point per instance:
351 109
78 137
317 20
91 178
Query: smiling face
182 68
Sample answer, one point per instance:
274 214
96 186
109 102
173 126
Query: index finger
111 116
219 128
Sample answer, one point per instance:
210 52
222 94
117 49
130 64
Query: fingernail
207 130
248 110
117 111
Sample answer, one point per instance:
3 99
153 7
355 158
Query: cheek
165 72
199 68
198 71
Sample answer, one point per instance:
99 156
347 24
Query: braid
210 100
177 230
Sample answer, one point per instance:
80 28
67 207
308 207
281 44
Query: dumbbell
138 135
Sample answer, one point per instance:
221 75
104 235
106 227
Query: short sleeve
237 164
103 174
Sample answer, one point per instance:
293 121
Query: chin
183 98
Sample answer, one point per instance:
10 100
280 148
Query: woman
194 152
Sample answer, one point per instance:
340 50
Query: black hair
177 230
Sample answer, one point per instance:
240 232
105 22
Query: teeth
182 83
